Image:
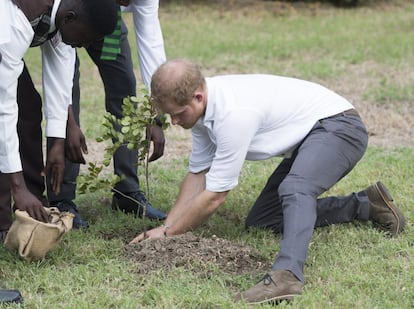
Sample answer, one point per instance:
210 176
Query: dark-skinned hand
156 135
75 144
55 163
24 200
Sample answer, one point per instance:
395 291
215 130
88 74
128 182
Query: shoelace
267 279
140 202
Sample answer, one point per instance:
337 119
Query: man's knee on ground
294 185
267 220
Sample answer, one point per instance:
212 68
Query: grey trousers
119 82
289 202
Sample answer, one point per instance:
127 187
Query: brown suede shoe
382 210
276 285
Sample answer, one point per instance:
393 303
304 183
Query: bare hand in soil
155 233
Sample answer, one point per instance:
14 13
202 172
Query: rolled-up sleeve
58 69
203 149
233 135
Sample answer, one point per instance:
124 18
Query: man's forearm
71 116
57 141
194 205
16 181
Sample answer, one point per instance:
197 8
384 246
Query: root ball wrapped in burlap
33 239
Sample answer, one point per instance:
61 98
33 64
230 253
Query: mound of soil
196 254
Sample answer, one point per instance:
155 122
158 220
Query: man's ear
199 95
70 16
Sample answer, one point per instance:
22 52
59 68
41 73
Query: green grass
348 266
389 91
317 44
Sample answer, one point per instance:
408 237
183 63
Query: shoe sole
388 200
276 299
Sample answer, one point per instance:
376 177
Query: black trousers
119 82
30 141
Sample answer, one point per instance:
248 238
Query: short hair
176 80
101 15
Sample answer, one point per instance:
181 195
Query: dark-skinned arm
157 137
23 199
55 163
75 144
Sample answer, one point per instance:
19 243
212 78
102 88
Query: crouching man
255 117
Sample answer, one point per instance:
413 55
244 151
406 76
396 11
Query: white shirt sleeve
234 136
5 18
224 150
149 39
58 68
203 149
16 35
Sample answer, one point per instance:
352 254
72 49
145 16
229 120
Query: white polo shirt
255 117
58 61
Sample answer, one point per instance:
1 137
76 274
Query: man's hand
154 233
24 200
75 145
157 137
55 163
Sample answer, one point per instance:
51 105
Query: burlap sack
34 239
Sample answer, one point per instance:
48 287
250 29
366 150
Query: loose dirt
196 254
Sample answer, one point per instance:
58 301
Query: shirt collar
209 113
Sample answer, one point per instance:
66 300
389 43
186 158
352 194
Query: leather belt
349 112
